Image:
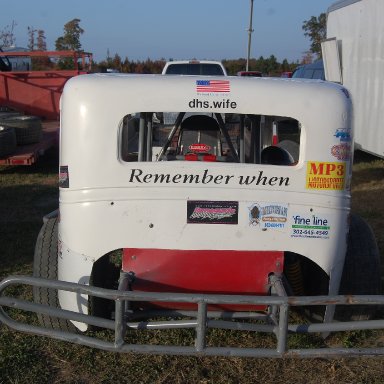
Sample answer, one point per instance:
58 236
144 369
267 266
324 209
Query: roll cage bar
276 321
145 138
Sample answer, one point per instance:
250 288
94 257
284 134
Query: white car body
108 203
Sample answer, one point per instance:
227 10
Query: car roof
194 61
313 70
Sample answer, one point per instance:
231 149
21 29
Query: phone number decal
310 226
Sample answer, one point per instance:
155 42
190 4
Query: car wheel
45 266
361 273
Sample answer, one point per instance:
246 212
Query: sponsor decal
254 214
344 134
327 176
310 226
212 212
199 148
341 151
212 104
213 86
64 176
138 176
268 215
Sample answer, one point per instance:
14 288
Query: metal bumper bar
276 322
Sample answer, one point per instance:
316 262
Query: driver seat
199 134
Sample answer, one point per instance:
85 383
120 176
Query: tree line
268 66
314 29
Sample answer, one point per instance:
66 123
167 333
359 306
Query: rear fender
75 268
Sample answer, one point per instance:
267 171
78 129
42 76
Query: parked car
287 74
194 67
310 71
250 73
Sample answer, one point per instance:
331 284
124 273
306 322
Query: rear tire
28 129
7 141
45 266
361 273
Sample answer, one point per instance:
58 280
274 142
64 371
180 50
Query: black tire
7 141
361 273
8 114
45 266
28 129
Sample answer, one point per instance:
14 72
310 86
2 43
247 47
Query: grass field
27 193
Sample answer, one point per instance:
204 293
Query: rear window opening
215 137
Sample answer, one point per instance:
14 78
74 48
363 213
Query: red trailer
37 93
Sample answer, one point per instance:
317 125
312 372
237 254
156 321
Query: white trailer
354 56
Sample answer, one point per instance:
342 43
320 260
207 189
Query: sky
170 29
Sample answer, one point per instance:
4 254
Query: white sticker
268 215
313 226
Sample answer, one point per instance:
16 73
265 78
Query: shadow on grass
22 208
17 246
367 169
368 175
26 203
364 157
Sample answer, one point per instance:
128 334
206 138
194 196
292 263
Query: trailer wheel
28 129
7 141
361 273
45 266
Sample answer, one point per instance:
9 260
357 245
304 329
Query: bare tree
41 44
31 38
7 36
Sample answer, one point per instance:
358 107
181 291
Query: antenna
250 30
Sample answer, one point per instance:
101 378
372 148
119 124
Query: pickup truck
194 67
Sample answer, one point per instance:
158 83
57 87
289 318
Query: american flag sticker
215 86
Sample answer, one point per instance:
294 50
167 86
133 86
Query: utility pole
250 30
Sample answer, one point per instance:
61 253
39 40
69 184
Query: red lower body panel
202 271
